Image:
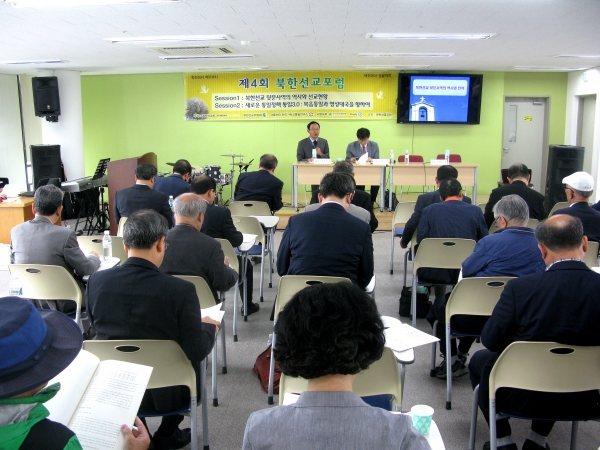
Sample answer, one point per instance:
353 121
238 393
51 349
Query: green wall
128 115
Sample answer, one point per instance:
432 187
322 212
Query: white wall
12 162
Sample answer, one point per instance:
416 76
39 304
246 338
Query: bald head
189 209
561 236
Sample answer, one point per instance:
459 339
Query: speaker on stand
46 163
563 160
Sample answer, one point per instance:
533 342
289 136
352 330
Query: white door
524 136
585 129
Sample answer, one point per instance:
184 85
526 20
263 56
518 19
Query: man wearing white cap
579 187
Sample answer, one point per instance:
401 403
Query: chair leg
224 350
433 348
271 256
194 422
236 296
271 372
413 303
402 377
405 267
262 272
213 367
474 418
574 429
493 443
392 252
448 369
204 407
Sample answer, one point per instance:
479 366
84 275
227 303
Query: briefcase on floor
422 303
262 367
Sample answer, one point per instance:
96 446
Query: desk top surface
16 202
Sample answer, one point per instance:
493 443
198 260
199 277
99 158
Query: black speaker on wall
563 160
46 163
45 97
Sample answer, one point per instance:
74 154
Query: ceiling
305 35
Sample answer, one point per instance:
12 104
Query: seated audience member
518 177
218 224
137 301
190 252
512 250
142 196
328 241
578 189
424 200
48 341
341 322
558 305
40 241
178 182
361 199
262 185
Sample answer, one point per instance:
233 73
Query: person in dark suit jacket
518 176
179 181
137 301
261 185
579 189
424 200
142 196
357 148
559 305
190 252
361 198
328 241
306 146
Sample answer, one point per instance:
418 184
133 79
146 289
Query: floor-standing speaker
46 101
46 163
563 160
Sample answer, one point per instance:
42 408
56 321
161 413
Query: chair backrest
559 205
122 221
94 244
382 377
249 208
442 253
170 365
203 292
250 225
475 296
402 213
493 227
230 253
290 284
546 367
591 256
454 157
482 206
411 159
533 223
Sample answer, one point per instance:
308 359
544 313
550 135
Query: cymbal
241 164
170 164
233 155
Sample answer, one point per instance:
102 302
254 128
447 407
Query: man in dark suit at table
137 301
313 141
518 177
360 147
559 305
579 187
178 182
424 200
328 241
142 196
261 185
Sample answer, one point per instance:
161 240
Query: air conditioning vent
196 51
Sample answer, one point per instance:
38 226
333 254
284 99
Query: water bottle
447 156
392 156
314 153
171 201
15 288
106 246
406 157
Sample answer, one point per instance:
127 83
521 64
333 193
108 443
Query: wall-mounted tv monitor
439 98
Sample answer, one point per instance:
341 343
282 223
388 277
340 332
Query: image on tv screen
439 99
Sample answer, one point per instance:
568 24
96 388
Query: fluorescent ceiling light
407 55
389 67
170 39
182 58
232 68
548 69
44 3
39 61
577 56
460 37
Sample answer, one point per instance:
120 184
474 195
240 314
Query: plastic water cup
421 417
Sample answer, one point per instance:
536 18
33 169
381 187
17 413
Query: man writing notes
363 146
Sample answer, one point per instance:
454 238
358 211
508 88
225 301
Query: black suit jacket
260 186
193 253
534 200
327 241
137 301
590 218
423 201
219 225
361 199
305 147
173 185
140 196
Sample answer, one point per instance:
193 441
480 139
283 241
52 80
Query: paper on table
290 399
214 312
401 336
363 159
249 237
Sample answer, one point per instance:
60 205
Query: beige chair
249 208
533 223
122 221
482 206
559 205
288 286
542 367
170 368
439 253
382 377
591 256
401 215
44 282
94 244
474 297
409 251
207 301
233 261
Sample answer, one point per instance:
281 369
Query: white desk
104 264
270 224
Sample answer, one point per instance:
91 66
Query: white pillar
68 131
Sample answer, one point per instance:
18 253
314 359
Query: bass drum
213 171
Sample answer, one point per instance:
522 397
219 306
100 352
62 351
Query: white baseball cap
582 181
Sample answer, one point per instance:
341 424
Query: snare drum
213 171
225 179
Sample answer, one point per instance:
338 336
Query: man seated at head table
190 252
363 145
48 342
137 301
342 322
328 241
559 305
262 185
